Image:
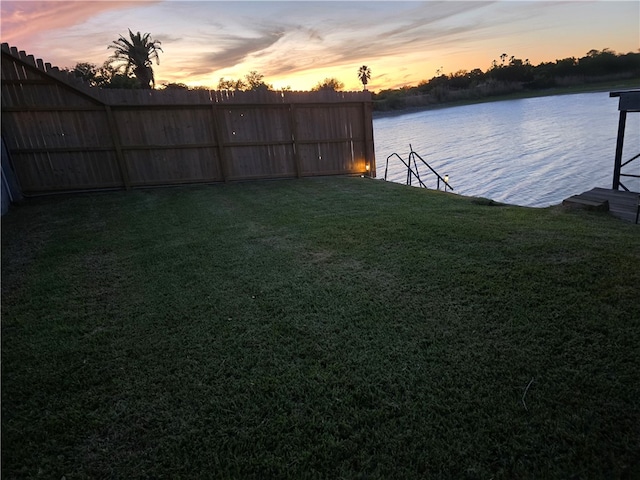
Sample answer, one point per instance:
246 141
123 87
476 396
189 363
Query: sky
297 44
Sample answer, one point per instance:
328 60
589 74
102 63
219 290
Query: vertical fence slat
294 135
367 134
115 136
219 139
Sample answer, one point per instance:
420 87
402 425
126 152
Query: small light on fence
446 178
367 167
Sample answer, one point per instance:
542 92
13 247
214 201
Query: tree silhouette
329 84
364 74
237 85
87 72
137 54
255 81
105 76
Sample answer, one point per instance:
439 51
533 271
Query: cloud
237 49
416 31
21 20
300 40
355 32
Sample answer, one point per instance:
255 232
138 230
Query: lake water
532 152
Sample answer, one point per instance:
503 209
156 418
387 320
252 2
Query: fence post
217 134
294 134
117 144
9 179
369 152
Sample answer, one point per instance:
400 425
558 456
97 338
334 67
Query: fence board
276 160
63 135
172 166
50 171
56 130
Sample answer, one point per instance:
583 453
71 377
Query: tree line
509 75
131 67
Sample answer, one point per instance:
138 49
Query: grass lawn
317 328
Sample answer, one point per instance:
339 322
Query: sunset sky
298 44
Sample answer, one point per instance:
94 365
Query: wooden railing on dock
629 102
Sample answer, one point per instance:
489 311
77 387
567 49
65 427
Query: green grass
317 328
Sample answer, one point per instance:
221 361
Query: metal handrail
409 170
446 184
415 173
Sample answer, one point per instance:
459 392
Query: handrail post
619 144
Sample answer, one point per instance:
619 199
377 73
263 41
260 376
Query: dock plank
622 204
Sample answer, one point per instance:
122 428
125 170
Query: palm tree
364 74
137 53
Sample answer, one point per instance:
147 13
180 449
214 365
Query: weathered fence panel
62 135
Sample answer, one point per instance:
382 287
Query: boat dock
619 203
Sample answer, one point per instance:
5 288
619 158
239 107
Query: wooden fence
62 135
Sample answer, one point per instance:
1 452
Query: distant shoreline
586 88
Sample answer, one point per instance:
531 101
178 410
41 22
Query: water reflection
532 152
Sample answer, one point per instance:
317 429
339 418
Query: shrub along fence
62 135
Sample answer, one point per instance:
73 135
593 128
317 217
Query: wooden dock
620 204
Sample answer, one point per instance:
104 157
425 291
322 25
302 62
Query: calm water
532 152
